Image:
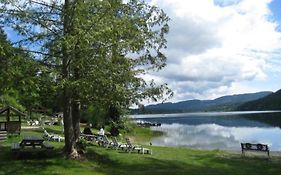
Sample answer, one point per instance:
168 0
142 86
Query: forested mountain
270 102
225 103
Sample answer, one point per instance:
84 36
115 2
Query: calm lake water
217 130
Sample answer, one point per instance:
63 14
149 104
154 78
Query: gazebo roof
2 110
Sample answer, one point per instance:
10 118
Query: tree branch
35 19
46 5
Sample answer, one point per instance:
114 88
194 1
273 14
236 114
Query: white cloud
215 136
215 46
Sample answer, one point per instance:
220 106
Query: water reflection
232 119
218 130
213 136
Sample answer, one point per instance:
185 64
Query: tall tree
101 47
18 75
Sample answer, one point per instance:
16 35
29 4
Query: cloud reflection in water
213 136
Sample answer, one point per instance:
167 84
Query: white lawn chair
106 142
52 137
116 145
138 148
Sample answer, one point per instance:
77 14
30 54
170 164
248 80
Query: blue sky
275 7
220 47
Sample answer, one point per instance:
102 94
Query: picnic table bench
31 142
254 147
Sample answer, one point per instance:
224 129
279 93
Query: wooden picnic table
31 142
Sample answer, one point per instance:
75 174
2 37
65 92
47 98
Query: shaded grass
165 160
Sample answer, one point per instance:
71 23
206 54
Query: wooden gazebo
10 119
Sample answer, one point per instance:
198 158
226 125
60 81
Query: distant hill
225 103
270 102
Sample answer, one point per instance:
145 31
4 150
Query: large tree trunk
76 107
76 104
70 141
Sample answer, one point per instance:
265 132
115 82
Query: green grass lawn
164 160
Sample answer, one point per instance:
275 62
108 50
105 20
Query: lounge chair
52 137
116 145
105 142
138 148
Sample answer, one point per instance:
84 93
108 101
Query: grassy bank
164 160
143 135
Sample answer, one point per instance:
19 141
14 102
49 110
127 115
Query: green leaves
104 47
18 75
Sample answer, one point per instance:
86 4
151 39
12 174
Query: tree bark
76 107
68 126
69 148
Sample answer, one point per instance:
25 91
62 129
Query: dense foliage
90 55
18 76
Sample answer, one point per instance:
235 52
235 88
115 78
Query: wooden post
8 114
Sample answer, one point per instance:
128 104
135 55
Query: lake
217 130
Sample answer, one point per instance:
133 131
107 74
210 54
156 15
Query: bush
94 115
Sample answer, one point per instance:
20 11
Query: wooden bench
47 146
254 147
15 147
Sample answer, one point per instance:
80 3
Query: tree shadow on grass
145 164
110 162
28 162
200 164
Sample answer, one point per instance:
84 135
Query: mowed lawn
164 160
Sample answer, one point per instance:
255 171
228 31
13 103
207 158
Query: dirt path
30 127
